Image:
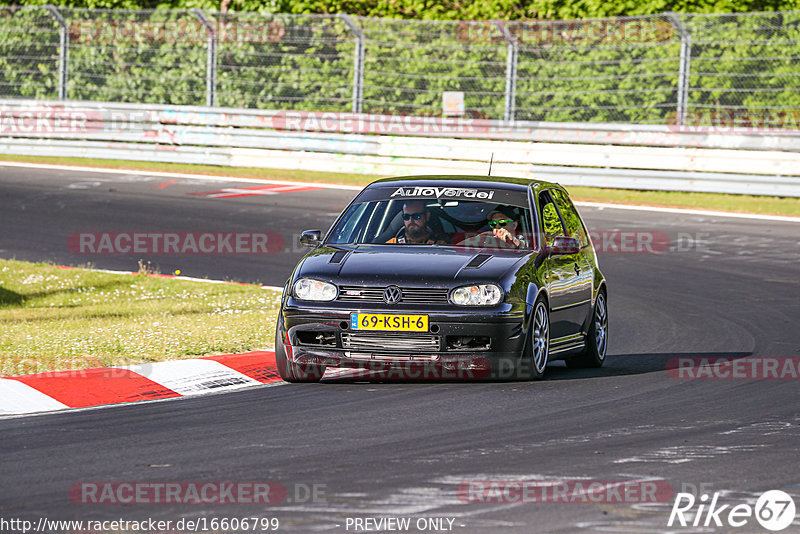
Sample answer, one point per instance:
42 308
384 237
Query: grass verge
763 205
54 319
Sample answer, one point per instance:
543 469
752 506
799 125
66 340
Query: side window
573 222
551 222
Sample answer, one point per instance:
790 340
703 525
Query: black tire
594 354
289 371
537 346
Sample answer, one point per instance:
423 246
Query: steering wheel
486 240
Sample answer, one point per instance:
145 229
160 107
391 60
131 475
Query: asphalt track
725 287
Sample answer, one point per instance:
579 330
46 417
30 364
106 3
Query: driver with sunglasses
504 229
415 229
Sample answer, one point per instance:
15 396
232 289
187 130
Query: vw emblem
392 295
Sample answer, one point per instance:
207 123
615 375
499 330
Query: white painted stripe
177 175
187 278
231 192
271 288
193 377
284 188
274 190
18 398
685 211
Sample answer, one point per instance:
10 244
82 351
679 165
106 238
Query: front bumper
459 344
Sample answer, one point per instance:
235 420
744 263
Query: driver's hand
504 235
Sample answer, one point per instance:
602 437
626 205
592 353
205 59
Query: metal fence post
511 72
358 62
685 64
63 50
211 57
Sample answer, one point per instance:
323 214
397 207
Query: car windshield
460 217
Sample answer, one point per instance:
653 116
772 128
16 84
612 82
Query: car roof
519 184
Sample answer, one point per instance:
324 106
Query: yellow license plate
381 321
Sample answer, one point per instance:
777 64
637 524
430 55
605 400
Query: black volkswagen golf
446 277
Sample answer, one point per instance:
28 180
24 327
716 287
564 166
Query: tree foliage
447 9
618 70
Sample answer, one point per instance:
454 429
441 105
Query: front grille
425 296
361 294
411 295
390 341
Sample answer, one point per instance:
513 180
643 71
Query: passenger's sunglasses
501 223
415 216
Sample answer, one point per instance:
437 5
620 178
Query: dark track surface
402 449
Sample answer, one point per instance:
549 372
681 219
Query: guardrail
602 155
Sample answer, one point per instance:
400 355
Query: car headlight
477 295
310 289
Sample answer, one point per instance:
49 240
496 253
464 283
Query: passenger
503 232
415 229
504 228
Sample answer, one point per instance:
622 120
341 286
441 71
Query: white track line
177 175
179 277
684 211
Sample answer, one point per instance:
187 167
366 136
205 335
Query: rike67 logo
774 510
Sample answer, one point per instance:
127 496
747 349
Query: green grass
55 319
764 205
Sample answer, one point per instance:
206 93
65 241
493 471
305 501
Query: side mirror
311 238
563 245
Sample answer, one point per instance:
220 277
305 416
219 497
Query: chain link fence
745 69
30 59
284 62
737 69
